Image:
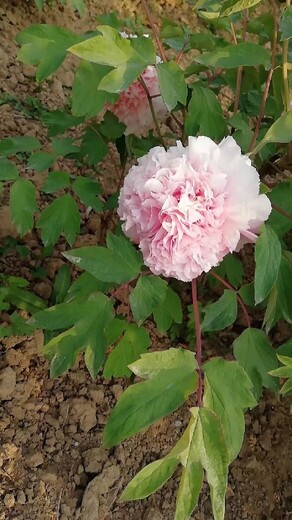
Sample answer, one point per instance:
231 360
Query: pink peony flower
190 206
132 107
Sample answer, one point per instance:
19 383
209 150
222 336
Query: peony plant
190 146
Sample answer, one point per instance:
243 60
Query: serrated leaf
8 170
40 161
87 100
285 23
14 145
23 205
284 286
222 313
267 259
45 46
279 132
88 190
172 84
220 376
168 311
232 56
135 342
148 294
56 181
60 217
205 114
111 127
255 354
143 403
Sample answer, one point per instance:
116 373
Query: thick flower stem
229 286
198 341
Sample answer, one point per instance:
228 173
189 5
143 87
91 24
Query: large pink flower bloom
190 206
132 107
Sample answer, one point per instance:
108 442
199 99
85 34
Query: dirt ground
52 463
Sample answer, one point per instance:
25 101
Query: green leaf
25 300
284 372
267 259
285 23
232 56
111 49
255 354
41 161
150 479
279 132
61 284
104 264
83 286
23 205
92 331
273 311
205 114
14 145
135 342
231 267
93 147
61 216
8 170
172 84
125 251
111 127
220 377
285 349
58 121
45 46
63 146
168 311
87 100
281 195
78 5
56 181
146 296
57 317
88 190
222 313
144 403
284 286
207 450
234 6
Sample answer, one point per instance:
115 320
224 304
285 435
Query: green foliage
268 259
279 132
170 378
285 23
172 84
168 310
222 313
220 377
284 372
148 294
231 56
119 262
23 205
45 46
60 217
255 354
127 59
203 102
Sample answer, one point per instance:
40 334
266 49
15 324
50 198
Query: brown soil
52 463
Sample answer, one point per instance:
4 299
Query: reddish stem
198 341
229 286
269 79
154 30
282 211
